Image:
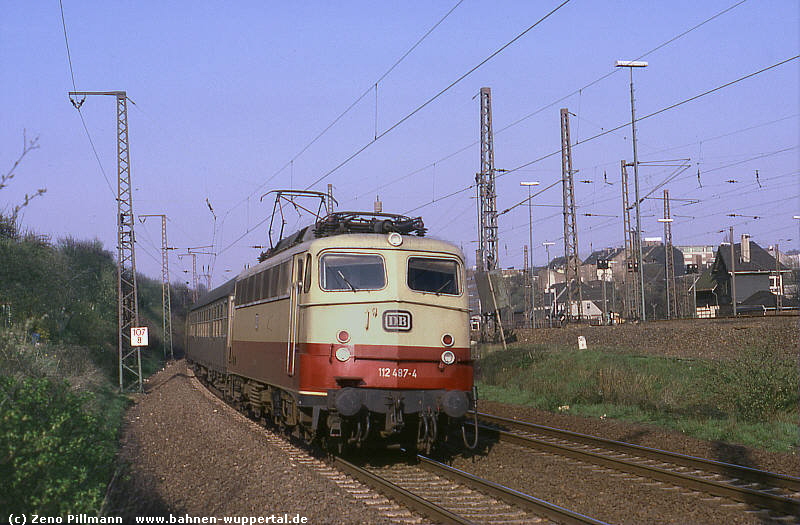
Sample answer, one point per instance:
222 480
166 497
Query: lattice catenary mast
570 224
166 304
487 197
630 279
130 359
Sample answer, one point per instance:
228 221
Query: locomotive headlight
447 340
343 336
395 239
448 357
343 354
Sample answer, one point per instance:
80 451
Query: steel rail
746 495
511 496
421 505
718 467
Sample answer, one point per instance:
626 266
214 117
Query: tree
8 221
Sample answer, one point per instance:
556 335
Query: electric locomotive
350 331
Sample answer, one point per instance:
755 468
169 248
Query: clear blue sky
227 93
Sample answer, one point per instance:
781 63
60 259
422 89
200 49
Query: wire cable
74 88
433 98
577 91
606 132
366 92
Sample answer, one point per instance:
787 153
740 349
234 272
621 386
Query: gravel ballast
185 453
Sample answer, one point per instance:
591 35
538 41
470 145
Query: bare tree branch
27 147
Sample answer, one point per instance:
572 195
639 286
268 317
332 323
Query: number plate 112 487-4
397 372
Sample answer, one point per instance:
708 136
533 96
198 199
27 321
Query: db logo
139 336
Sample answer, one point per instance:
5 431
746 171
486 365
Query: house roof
590 291
559 262
761 298
760 259
705 283
604 254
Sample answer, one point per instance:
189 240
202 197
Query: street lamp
532 301
547 246
630 64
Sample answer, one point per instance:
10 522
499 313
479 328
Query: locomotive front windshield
352 272
433 275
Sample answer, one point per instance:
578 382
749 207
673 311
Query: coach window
439 276
307 276
264 284
268 287
300 273
352 272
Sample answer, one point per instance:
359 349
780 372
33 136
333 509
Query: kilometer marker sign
138 336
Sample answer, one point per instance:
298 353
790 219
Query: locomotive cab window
352 272
439 276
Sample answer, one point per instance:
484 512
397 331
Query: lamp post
532 301
630 64
547 246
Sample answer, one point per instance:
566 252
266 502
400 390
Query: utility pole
532 300
130 358
570 224
669 260
552 295
733 275
194 255
632 295
630 65
166 304
528 286
778 281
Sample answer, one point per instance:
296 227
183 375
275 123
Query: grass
750 400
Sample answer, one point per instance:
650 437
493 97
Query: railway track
448 495
777 493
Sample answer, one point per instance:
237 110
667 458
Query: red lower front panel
390 367
370 366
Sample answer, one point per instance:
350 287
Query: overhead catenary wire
606 132
74 88
436 200
561 99
433 98
372 86
411 114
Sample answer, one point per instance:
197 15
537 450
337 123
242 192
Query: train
351 331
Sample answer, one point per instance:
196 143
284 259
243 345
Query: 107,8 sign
139 336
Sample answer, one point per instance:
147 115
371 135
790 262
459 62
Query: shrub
55 456
757 384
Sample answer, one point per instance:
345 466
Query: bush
757 385
55 456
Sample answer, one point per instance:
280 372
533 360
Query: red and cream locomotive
354 329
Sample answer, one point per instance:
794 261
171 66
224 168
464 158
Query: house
752 268
616 264
595 301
